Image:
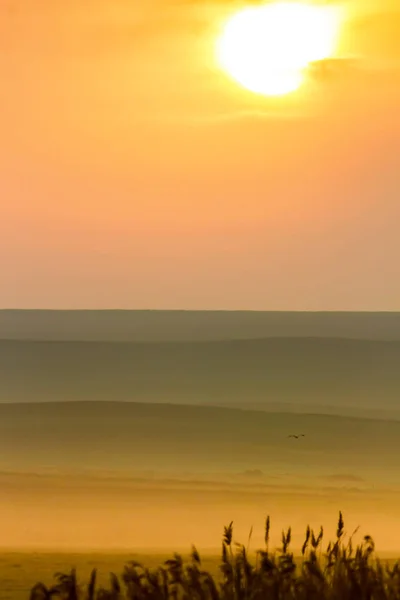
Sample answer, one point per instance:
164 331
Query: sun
267 48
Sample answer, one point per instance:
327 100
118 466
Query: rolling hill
322 375
190 326
132 437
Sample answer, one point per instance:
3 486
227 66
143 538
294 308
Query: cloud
229 116
334 68
345 477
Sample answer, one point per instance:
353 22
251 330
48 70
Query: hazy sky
135 174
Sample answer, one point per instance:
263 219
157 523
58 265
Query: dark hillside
158 325
318 372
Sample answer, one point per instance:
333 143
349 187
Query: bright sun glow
266 49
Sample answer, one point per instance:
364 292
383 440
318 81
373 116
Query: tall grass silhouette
341 572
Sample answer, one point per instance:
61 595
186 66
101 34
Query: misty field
338 570
131 440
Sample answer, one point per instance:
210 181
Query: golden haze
137 171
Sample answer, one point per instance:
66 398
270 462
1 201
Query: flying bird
296 436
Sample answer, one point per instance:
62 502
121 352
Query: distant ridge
327 372
108 409
181 325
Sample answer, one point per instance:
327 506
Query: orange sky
134 174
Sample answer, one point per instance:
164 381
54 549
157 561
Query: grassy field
20 570
342 569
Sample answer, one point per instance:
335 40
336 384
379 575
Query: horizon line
206 310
